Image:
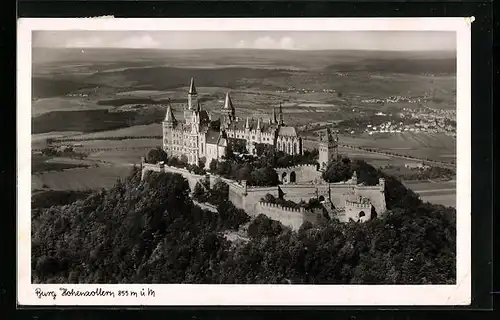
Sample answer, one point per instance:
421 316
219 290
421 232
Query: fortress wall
312 216
352 211
289 217
237 198
253 196
248 198
375 195
190 177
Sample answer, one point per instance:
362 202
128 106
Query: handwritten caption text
98 292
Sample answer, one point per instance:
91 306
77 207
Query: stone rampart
249 198
289 217
190 177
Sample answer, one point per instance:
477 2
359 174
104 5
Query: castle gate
287 177
298 174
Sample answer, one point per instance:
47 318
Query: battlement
357 205
298 167
280 207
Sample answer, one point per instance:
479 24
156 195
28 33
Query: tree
183 160
239 145
266 176
156 155
201 162
213 165
149 231
199 193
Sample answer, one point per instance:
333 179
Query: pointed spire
228 104
258 124
169 116
247 126
192 88
281 115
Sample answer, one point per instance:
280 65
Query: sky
294 40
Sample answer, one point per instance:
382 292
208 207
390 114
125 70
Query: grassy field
80 179
421 145
119 157
449 200
435 192
154 129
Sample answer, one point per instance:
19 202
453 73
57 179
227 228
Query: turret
228 109
381 184
192 95
354 178
168 125
169 120
247 125
273 119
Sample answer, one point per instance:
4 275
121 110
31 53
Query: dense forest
150 231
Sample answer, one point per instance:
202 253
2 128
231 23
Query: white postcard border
292 295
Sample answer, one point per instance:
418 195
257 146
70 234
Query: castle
195 138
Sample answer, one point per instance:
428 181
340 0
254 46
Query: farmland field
438 147
153 129
80 179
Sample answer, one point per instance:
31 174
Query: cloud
284 43
137 42
87 42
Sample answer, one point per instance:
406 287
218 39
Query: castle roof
192 88
287 131
253 124
215 137
204 117
228 104
169 115
212 136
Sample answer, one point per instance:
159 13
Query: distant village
430 121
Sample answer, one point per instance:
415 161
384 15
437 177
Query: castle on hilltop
195 138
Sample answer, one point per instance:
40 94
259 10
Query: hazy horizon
404 41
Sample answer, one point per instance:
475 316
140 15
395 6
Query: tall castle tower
328 148
281 119
168 125
228 112
192 102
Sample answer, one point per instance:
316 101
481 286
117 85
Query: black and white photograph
232 157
